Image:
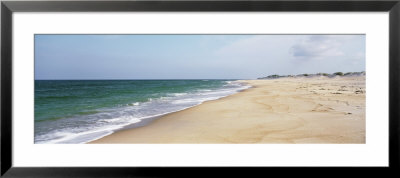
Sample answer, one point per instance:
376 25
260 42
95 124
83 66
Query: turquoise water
78 111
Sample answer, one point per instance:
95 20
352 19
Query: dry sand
286 110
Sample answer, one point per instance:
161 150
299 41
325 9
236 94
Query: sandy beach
285 110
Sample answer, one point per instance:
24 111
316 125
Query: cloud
316 47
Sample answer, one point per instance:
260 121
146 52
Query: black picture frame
8 7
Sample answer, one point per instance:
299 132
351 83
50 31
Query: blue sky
194 56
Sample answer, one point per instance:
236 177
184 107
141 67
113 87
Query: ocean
79 111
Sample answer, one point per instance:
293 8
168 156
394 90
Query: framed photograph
113 88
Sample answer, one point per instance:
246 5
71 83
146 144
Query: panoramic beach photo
200 89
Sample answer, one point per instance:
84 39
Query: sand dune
285 110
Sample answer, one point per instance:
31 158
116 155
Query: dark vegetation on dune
275 76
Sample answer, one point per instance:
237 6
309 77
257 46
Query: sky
194 56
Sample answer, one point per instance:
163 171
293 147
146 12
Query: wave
86 128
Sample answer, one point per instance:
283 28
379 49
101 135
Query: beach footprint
321 108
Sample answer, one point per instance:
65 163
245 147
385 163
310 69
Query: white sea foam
178 94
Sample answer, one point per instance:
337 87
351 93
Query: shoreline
284 110
149 120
